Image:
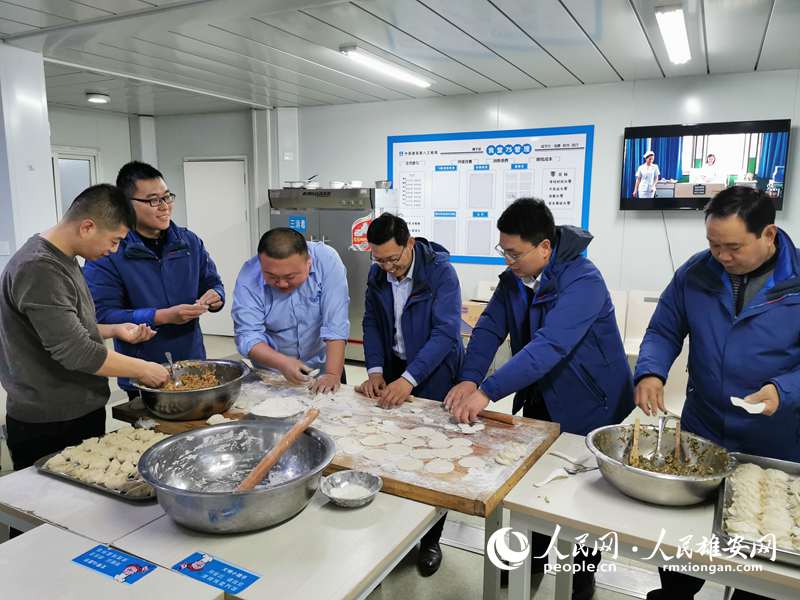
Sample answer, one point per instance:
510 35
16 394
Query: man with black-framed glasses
162 275
568 363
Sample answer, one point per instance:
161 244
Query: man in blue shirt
739 303
412 331
290 309
162 275
568 363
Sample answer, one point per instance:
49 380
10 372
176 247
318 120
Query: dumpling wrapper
753 409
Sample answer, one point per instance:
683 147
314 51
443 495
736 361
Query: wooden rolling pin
484 414
273 456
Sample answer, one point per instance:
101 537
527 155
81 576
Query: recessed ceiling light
672 24
386 68
97 98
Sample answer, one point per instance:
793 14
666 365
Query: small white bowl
312 185
336 185
356 183
343 479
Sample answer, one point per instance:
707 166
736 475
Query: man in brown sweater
54 364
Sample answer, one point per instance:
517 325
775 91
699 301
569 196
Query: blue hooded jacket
129 285
431 322
574 353
732 355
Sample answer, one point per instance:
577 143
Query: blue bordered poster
215 572
118 565
452 187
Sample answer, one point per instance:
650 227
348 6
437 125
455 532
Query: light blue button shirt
401 290
298 323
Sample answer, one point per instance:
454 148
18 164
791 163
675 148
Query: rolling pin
273 456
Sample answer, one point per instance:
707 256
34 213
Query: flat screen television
668 167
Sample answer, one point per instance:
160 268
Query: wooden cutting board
469 491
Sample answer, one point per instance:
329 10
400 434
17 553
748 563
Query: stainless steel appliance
327 215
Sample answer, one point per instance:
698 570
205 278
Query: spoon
171 368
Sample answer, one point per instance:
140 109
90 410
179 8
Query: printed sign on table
118 565
221 575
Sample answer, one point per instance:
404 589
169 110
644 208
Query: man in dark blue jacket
568 363
739 303
162 275
412 330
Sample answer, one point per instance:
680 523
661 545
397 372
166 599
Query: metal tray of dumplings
725 496
40 467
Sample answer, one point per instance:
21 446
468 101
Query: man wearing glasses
290 309
412 331
162 275
568 363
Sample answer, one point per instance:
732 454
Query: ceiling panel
252 38
235 86
220 72
324 56
9 27
105 63
230 59
27 16
495 31
694 29
551 26
366 28
314 30
417 20
612 25
782 43
72 11
81 77
734 31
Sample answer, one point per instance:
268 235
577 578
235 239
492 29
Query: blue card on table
118 565
214 572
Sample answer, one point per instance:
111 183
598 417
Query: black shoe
583 586
429 559
656 595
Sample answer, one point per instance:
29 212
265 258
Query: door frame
75 153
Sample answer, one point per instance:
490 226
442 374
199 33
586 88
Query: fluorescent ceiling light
358 55
97 98
672 25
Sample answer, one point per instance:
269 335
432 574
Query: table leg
519 580
491 574
564 575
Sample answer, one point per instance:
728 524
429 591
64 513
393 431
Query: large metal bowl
611 446
193 405
194 475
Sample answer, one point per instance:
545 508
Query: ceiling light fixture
363 58
97 98
672 25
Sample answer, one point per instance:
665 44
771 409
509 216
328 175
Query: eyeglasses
167 199
512 258
389 261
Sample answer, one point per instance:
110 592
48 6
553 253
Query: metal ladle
657 457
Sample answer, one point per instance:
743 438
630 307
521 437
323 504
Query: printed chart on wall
452 187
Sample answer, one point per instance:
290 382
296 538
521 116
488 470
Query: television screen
683 166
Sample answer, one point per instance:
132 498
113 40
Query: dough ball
424 453
413 442
442 442
398 449
378 455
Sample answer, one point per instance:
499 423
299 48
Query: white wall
214 135
349 142
109 133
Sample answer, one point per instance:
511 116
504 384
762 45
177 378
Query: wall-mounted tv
667 167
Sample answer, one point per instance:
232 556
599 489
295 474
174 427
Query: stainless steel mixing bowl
611 446
194 475
190 405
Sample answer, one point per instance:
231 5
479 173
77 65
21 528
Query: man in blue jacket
568 362
412 331
739 303
161 276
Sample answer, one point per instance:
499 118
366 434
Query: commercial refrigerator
328 215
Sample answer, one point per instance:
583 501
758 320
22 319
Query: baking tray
783 555
39 464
